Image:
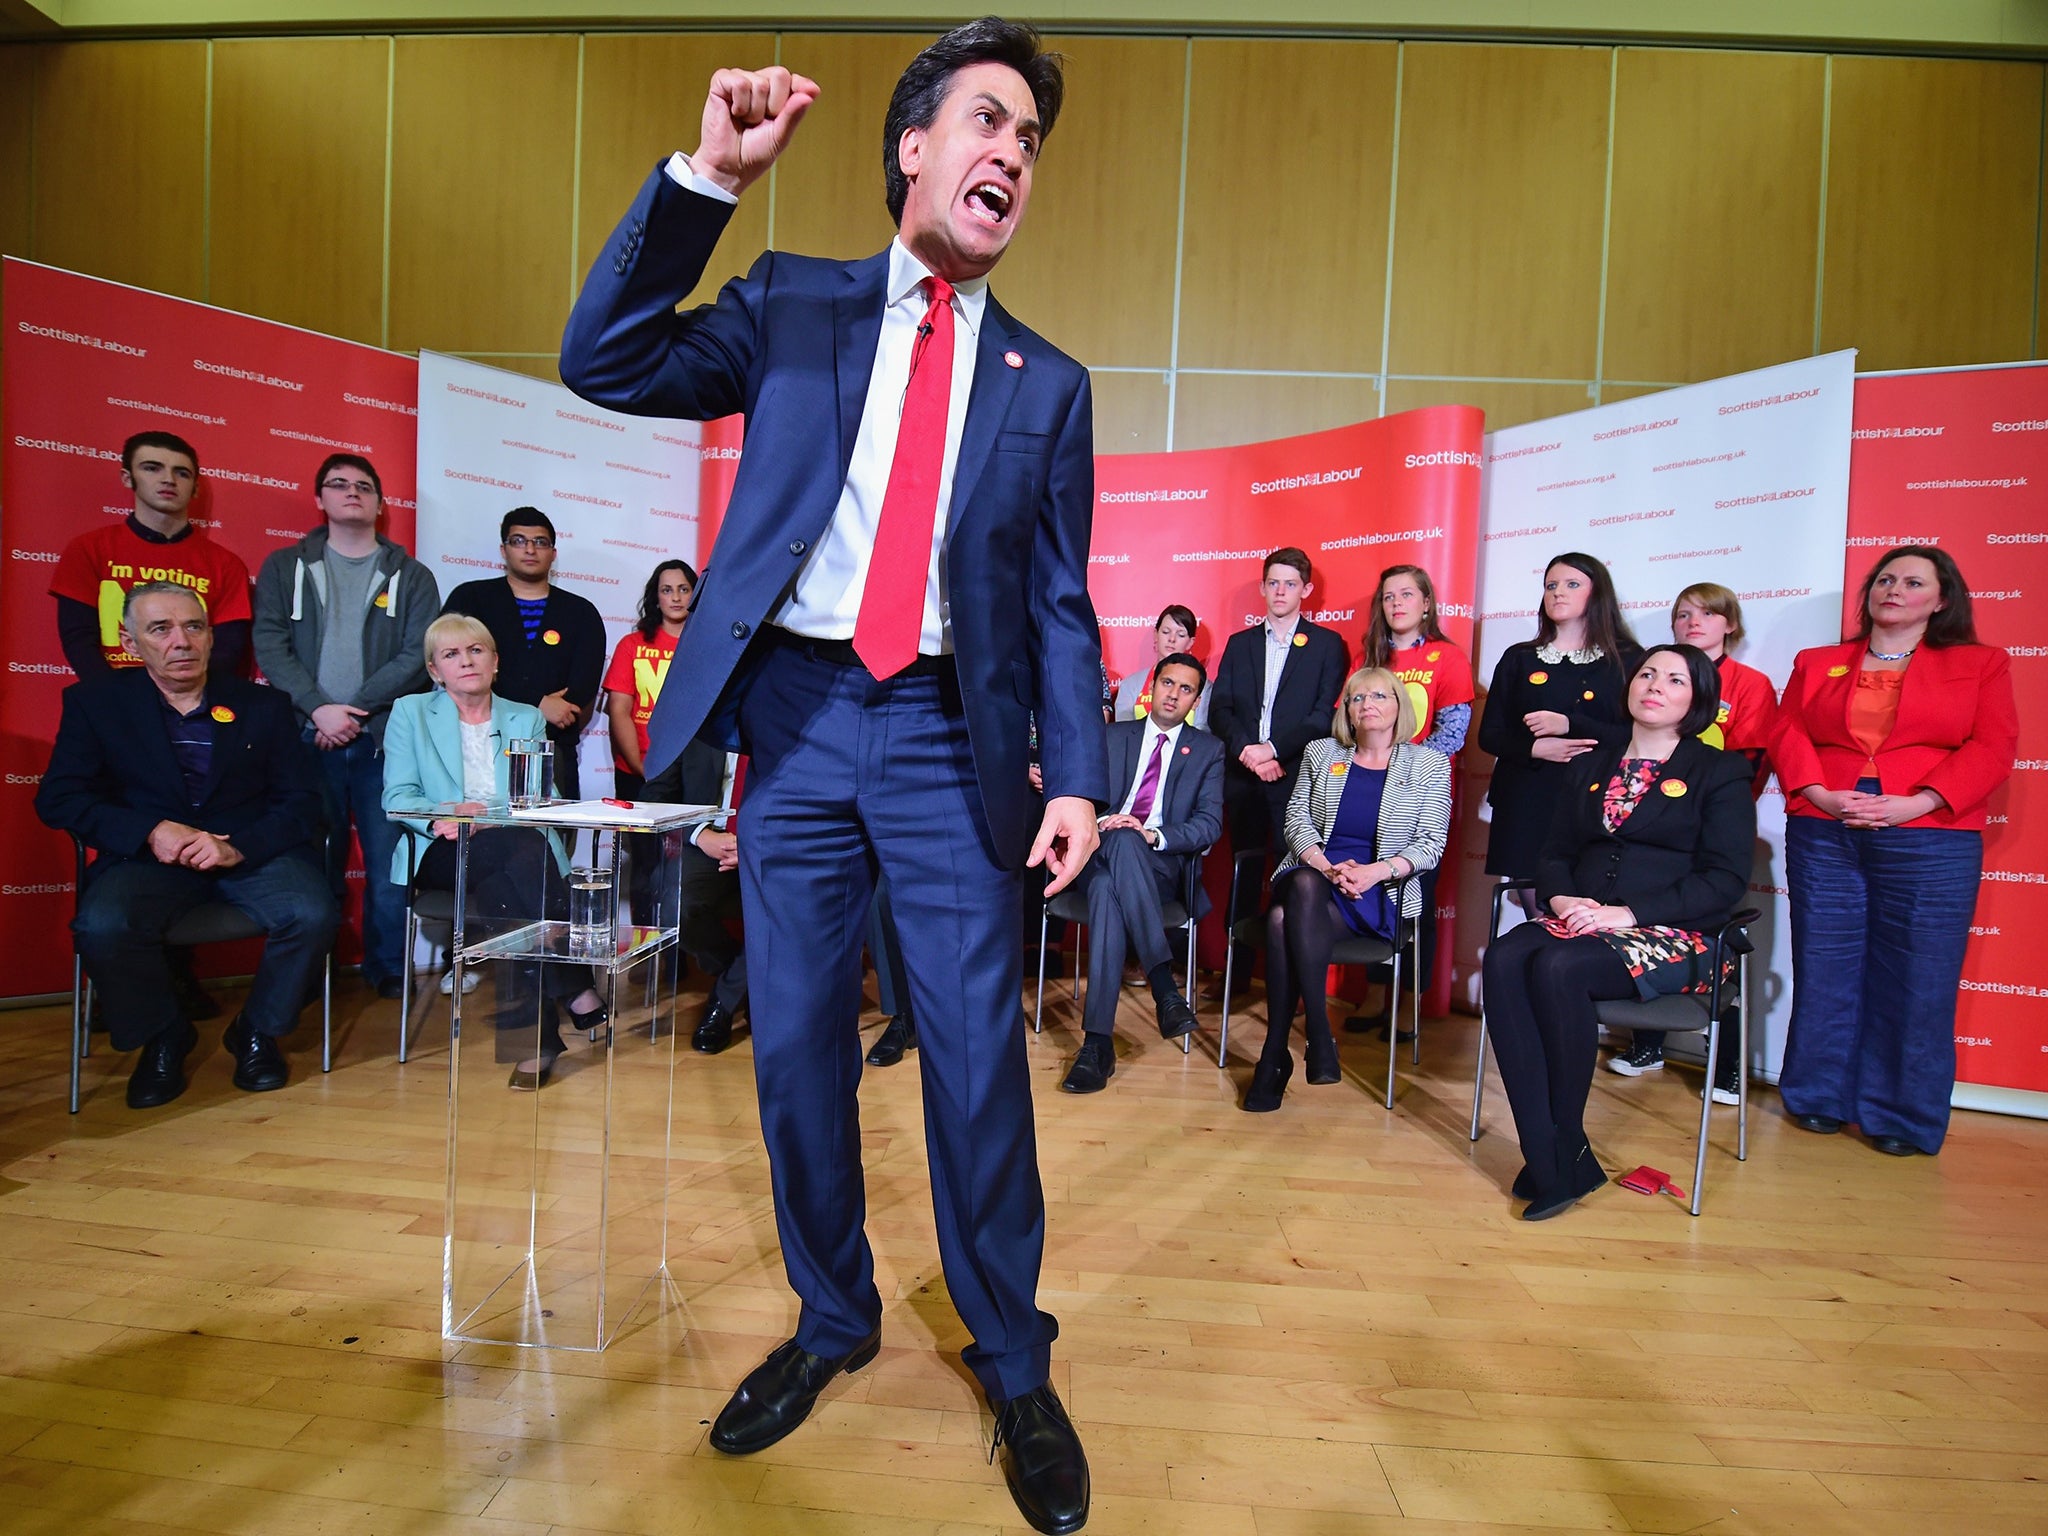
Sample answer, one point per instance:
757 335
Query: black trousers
708 892
1256 811
513 876
1540 997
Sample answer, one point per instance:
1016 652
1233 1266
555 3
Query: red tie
892 604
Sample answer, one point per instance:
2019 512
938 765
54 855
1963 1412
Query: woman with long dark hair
1553 699
640 666
1887 747
1649 850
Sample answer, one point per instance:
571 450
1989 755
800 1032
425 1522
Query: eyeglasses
1370 698
522 541
360 487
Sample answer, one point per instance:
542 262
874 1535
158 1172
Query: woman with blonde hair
1370 810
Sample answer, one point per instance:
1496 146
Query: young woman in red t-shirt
640 666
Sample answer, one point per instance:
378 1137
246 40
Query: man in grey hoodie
341 623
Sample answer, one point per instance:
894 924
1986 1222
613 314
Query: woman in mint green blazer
448 747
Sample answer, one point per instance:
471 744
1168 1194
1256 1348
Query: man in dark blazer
189 791
551 644
709 881
1169 777
1276 691
899 582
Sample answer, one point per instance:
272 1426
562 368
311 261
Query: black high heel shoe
1323 1066
1269 1084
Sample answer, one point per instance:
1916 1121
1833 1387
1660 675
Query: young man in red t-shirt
155 542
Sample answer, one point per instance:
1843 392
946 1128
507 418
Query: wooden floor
223 1316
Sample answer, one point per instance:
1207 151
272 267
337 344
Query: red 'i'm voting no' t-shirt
1436 674
99 568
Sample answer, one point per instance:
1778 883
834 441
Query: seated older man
189 791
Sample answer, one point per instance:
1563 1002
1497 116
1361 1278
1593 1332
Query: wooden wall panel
828 185
298 181
1497 223
1290 149
484 132
1217 410
1130 412
120 146
643 99
1091 268
1716 212
17 108
1934 176
1505 405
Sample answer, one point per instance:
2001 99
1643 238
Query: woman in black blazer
1651 844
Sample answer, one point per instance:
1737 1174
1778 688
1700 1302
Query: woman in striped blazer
1369 811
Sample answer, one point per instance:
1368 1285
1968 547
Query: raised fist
748 119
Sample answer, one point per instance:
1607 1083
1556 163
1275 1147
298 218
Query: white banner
622 492
1742 481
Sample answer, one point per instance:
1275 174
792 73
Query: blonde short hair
460 628
1367 677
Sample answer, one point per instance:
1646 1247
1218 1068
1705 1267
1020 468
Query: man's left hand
210 851
1065 839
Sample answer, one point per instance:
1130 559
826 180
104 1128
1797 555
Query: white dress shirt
1152 735
1277 643
826 601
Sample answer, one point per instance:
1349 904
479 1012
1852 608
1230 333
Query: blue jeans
1880 919
352 785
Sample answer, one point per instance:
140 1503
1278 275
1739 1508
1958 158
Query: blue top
1355 835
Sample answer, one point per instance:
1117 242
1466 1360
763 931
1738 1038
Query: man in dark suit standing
899 582
189 791
1276 691
1170 775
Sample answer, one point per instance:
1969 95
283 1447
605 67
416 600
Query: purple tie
1148 786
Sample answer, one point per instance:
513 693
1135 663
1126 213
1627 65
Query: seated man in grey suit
1170 808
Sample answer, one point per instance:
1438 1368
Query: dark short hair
170 440
335 461
1706 685
921 88
650 597
1290 557
1181 614
524 517
1182 659
1953 624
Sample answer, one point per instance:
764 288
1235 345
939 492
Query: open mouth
989 202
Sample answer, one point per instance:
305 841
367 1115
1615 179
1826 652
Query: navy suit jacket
791 346
1193 815
113 776
1303 705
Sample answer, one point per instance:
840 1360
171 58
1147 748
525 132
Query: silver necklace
1877 655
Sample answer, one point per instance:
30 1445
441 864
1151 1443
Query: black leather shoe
778 1394
1820 1125
1043 1461
900 1036
159 1074
714 1030
1269 1084
1896 1146
391 988
1093 1068
1176 1017
259 1065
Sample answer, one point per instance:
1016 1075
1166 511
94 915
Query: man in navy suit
1168 776
189 791
899 583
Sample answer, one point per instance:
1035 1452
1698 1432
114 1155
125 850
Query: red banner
1959 459
1192 528
87 364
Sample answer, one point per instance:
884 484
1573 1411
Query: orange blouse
1873 711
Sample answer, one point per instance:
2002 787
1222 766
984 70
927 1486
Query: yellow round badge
1339 769
222 713
1539 677
1838 671
551 637
1587 695
1300 639
1432 655
382 600
1673 788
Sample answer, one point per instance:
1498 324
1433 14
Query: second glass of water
593 913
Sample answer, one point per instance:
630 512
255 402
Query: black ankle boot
1323 1068
1269 1083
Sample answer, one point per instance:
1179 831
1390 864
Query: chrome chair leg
327 1015
1229 966
1742 1055
412 939
1699 1161
81 1027
1393 1023
1038 1011
1479 1076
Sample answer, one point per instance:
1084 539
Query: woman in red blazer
1887 747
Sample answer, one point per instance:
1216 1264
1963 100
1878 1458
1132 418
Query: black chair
1678 1013
1354 949
213 922
1072 904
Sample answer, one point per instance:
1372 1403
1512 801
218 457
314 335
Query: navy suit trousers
851 776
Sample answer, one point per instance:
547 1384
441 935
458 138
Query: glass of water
593 912
532 760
